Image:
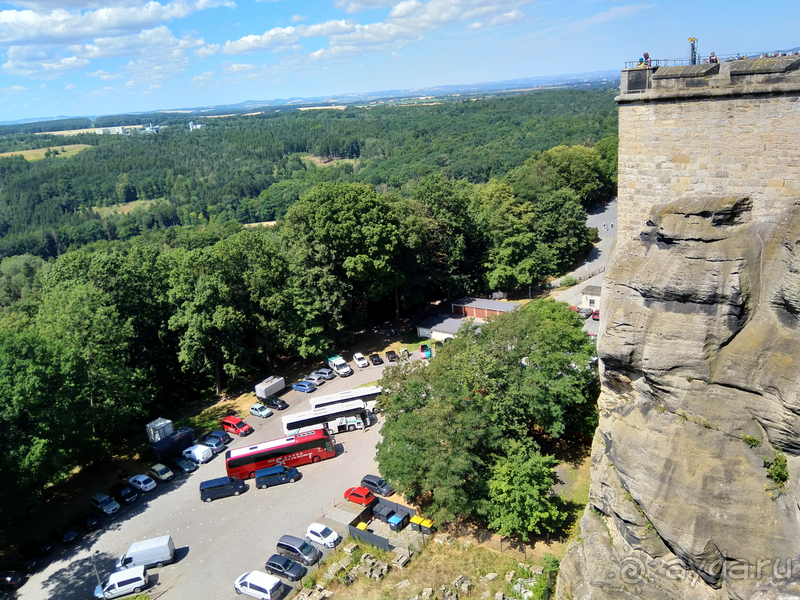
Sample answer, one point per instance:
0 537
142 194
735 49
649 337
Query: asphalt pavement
597 259
219 541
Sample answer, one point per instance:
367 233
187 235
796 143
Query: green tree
456 245
342 241
94 341
436 454
578 168
545 369
520 498
227 303
125 191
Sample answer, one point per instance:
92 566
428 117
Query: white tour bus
365 394
337 418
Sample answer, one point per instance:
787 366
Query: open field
123 209
88 130
327 162
261 224
38 154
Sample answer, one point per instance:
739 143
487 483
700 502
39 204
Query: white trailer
269 387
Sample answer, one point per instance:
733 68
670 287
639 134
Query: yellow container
362 526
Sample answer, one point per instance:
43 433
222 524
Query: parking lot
218 541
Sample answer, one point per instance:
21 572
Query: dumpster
415 522
398 520
426 526
383 512
362 526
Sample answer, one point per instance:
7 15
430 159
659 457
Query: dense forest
109 321
250 168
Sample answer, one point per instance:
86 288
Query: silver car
315 378
325 372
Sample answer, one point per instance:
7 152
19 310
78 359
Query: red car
237 426
596 315
359 495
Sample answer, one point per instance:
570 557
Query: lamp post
96 574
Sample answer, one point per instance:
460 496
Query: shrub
751 441
776 468
568 281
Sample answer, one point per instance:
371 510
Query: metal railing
701 60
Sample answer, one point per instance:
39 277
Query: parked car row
291 560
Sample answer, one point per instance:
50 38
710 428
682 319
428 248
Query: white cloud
105 76
396 56
14 89
62 26
44 69
298 18
279 38
205 77
236 68
207 51
616 13
147 41
357 5
70 86
404 8
515 16
475 25
43 86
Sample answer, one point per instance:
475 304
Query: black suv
274 402
377 485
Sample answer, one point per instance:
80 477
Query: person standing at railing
713 59
646 58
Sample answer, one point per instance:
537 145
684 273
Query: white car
360 360
142 483
260 410
322 535
258 585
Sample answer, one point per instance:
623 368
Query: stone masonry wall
707 144
739 146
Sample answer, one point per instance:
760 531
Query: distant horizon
348 97
87 57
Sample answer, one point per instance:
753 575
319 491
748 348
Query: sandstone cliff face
700 352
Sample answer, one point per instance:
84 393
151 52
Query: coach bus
292 451
365 394
336 418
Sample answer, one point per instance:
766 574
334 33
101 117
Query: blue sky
91 57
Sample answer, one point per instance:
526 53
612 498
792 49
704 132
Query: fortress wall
724 137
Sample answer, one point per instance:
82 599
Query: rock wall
700 362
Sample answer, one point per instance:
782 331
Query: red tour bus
292 451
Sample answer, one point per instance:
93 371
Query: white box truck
339 366
155 552
269 387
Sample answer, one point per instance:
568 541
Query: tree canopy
460 434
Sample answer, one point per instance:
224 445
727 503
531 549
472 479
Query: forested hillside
248 168
106 323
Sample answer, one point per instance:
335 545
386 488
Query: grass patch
38 154
123 209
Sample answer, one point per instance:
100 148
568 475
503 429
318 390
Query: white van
258 585
198 454
123 583
156 552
